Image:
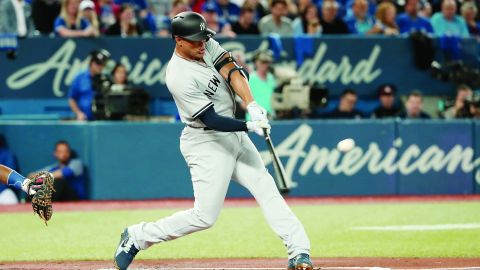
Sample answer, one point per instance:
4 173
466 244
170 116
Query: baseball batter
203 79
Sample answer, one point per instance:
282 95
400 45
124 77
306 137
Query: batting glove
257 113
259 126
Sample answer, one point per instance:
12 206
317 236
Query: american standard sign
336 62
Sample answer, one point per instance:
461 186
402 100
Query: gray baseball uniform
214 158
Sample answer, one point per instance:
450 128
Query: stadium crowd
87 18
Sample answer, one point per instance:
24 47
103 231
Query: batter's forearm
237 81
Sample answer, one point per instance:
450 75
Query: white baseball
346 145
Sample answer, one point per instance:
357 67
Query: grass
243 232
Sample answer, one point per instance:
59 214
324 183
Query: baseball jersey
196 86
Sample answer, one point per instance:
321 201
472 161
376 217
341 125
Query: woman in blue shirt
69 23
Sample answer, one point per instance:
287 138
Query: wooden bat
280 175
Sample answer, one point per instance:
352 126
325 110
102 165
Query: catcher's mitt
41 190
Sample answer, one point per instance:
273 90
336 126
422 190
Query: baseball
346 145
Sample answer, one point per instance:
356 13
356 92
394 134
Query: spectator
87 12
126 25
164 24
331 24
221 27
16 18
425 10
346 107
246 23
107 11
413 106
81 93
119 78
410 21
387 108
447 23
469 13
262 81
385 20
308 23
160 8
70 182
143 17
277 21
7 196
302 5
44 13
226 10
258 7
460 109
69 23
196 5
359 22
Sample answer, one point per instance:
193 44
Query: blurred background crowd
87 18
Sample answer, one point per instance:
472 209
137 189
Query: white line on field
435 227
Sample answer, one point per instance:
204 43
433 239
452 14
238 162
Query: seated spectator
225 9
277 21
447 23
460 109
246 23
302 5
87 12
70 182
410 20
308 23
221 27
331 24
107 12
81 92
258 7
359 22
160 8
425 10
262 81
127 24
164 24
119 78
7 196
16 18
70 24
385 20
346 107
413 107
44 13
469 13
145 19
387 108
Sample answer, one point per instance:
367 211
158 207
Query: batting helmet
192 26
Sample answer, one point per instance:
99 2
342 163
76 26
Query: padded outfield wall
128 160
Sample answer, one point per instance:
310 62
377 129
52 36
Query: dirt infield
230 264
247 202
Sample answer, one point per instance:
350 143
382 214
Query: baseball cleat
300 262
125 252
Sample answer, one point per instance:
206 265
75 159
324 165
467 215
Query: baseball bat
277 165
